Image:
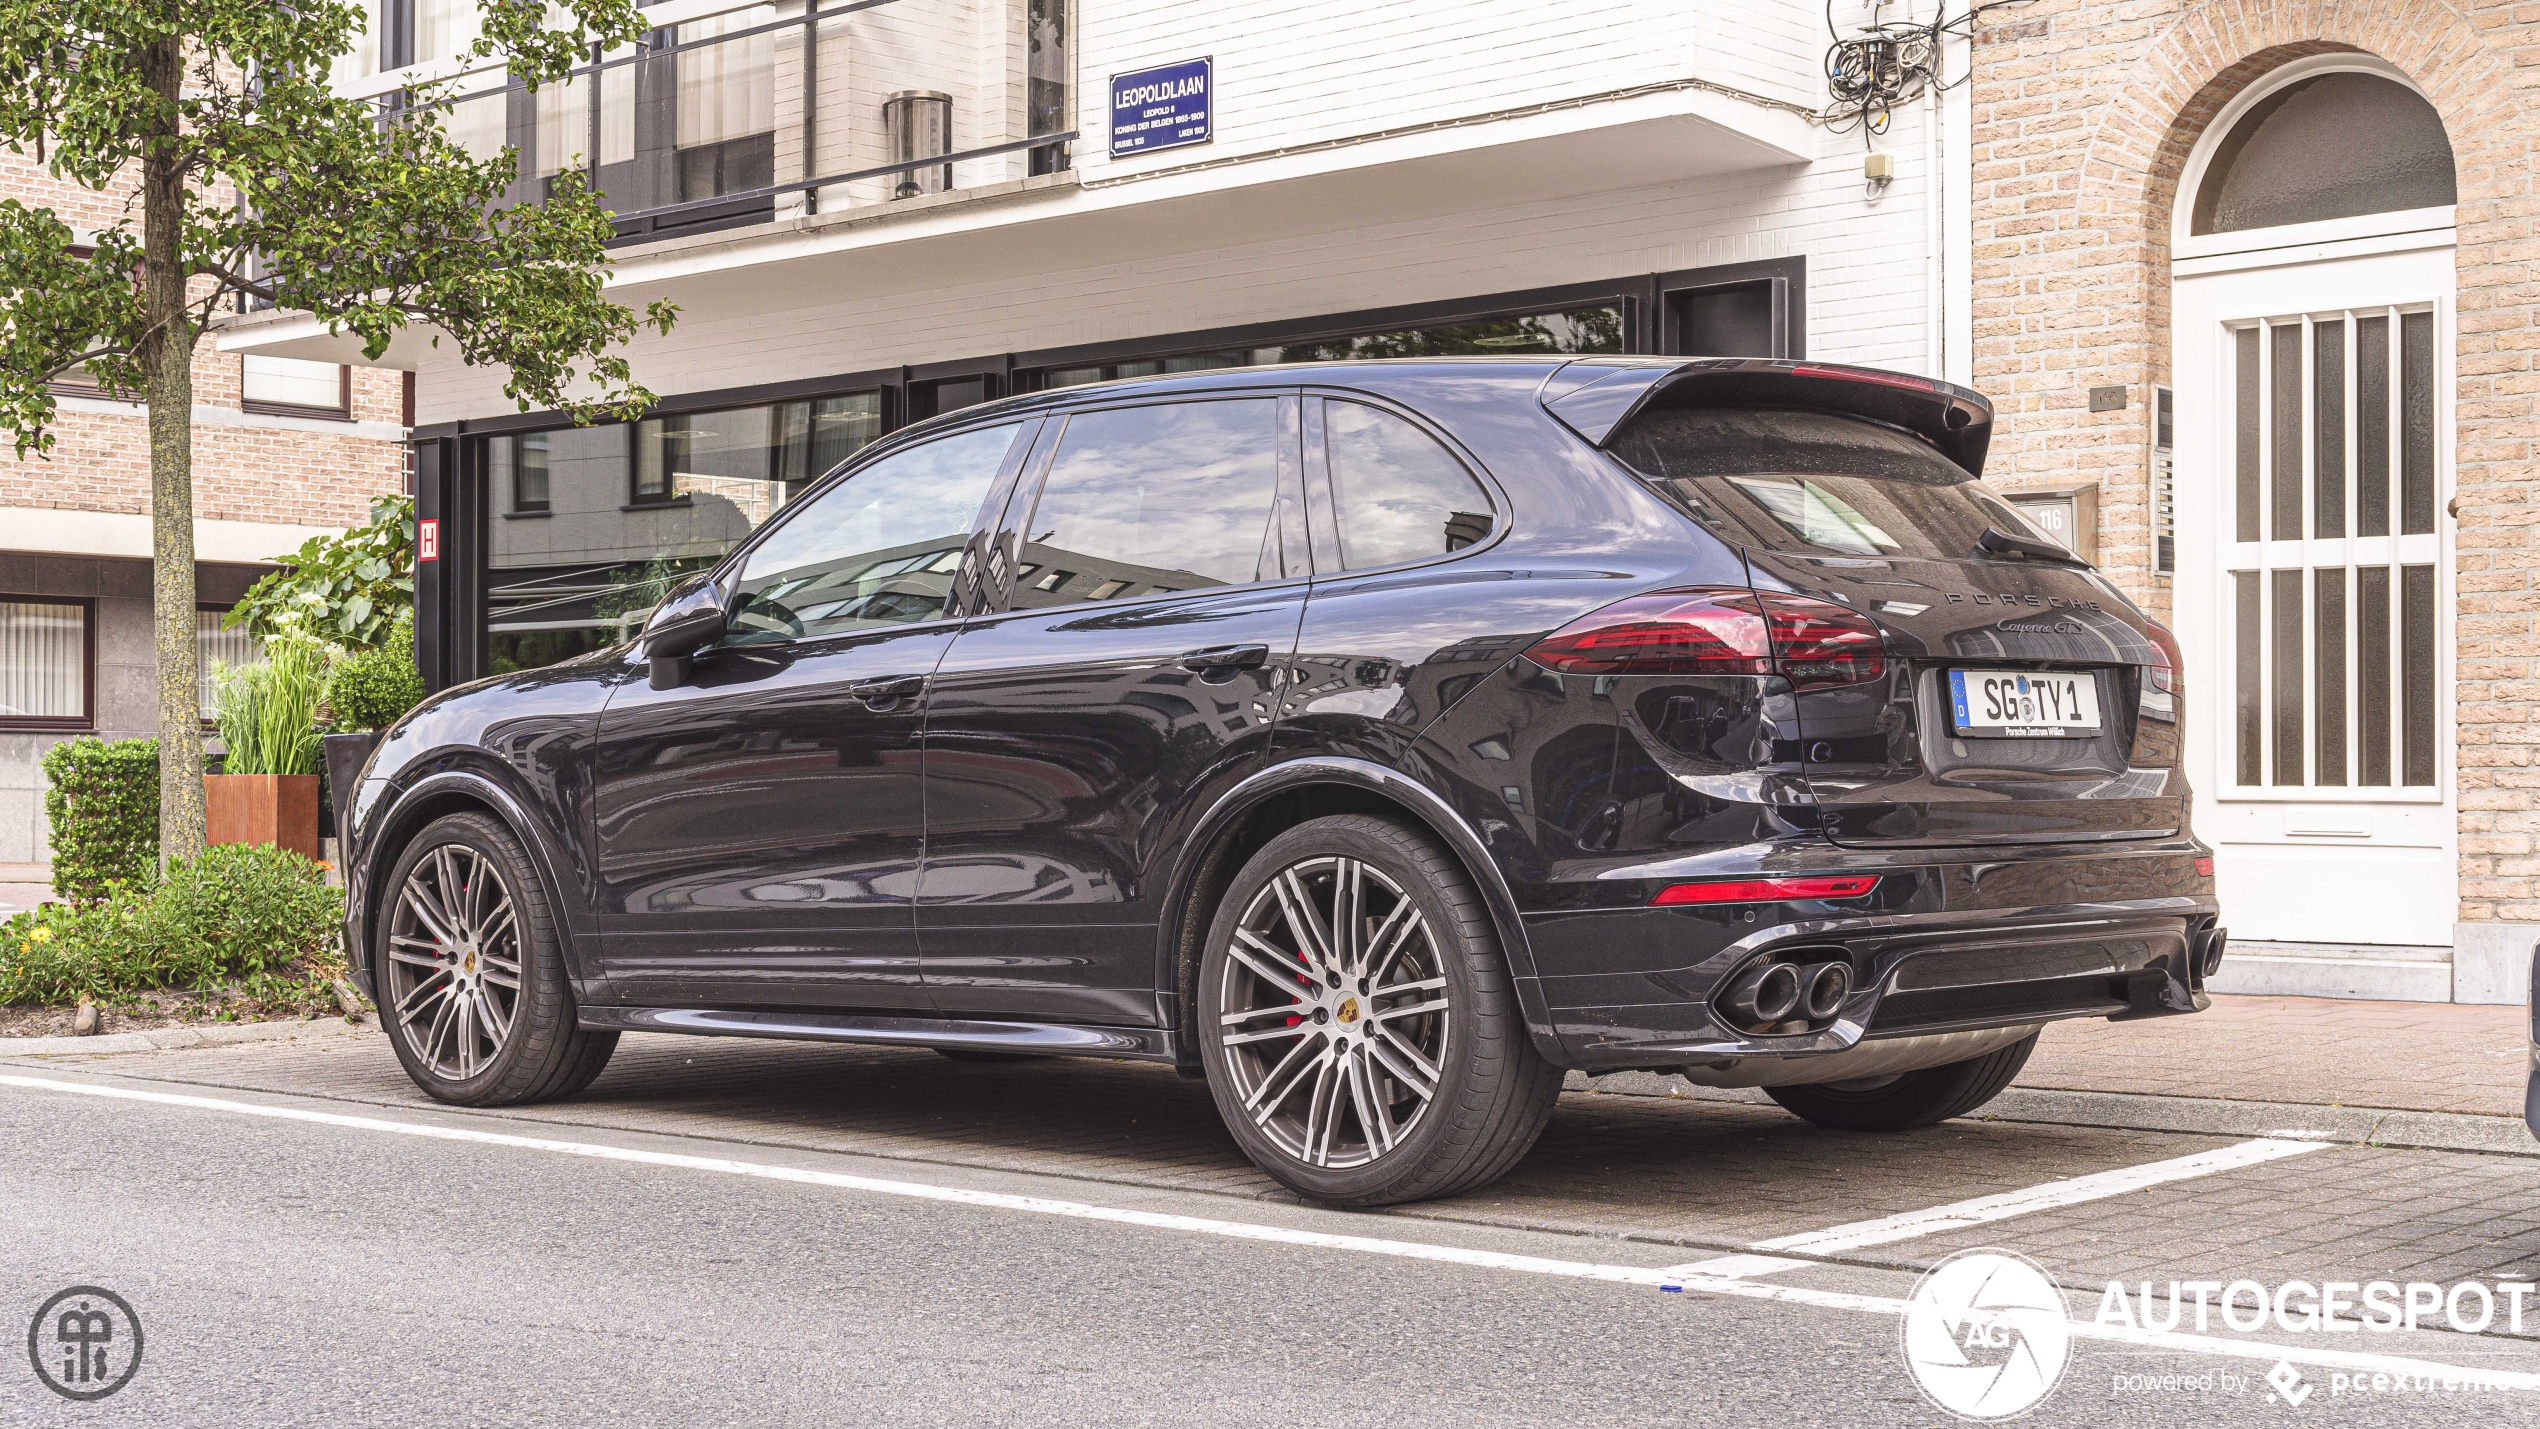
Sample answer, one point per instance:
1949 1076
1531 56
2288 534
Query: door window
1148 500
878 549
1396 494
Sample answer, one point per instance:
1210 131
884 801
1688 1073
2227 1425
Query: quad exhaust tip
1775 991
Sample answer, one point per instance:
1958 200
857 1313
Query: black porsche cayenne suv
1373 740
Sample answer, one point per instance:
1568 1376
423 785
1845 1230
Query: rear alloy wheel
1908 1099
472 986
1362 1040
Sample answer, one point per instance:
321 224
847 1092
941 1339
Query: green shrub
241 911
372 688
267 712
343 590
101 810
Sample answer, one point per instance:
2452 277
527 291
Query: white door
2314 586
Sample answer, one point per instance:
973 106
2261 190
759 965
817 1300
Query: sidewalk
2313 1051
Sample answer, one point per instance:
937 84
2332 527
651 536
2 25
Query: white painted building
1425 176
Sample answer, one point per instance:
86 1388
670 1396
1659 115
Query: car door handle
887 691
1227 657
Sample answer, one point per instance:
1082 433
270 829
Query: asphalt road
332 1272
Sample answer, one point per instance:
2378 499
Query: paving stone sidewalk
2316 1051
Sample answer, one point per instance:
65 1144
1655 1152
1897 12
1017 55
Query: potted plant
369 691
267 790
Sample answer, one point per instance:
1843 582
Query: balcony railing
774 110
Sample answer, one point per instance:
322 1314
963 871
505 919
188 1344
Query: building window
45 660
2335 145
627 511
290 387
1592 331
217 645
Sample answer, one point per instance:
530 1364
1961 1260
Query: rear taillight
1870 375
1719 631
2163 676
1767 890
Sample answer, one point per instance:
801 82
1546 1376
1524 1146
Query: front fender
1418 800
390 812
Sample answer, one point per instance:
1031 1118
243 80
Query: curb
215 1034
2137 1111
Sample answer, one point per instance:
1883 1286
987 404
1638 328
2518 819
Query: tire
1910 1099
1331 1104
464 914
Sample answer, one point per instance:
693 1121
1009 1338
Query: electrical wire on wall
1890 62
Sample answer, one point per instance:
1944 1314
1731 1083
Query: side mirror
688 620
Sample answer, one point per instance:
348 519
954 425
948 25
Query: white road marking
1958 1215
1280 1235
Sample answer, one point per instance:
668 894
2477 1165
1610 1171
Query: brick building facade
277 459
2097 129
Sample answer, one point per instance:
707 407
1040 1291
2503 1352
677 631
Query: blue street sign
1161 108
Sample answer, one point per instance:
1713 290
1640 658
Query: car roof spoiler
1597 397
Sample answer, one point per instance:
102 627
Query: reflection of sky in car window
1395 489
927 492
1181 489
1814 514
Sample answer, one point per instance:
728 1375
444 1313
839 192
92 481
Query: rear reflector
2205 867
1719 631
1767 890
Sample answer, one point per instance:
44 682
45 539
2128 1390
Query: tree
252 178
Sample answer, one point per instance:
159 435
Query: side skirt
1144 1044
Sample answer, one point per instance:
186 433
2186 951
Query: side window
1144 500
878 549
1396 494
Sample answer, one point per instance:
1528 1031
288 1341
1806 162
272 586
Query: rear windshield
1814 482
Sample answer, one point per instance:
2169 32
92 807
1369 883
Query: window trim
87 717
1322 522
342 411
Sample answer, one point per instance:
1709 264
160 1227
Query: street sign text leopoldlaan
1161 108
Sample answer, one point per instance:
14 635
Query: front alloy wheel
1356 1020
453 961
469 964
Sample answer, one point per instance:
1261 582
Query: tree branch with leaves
241 174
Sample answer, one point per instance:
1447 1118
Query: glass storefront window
1595 331
592 524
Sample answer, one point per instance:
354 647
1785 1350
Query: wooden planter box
279 809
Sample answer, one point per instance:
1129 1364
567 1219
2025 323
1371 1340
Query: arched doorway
2312 340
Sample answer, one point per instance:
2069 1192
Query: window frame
87 718
1004 552
342 411
1321 513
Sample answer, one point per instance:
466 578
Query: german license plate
2024 704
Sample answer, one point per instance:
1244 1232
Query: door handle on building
1218 658
883 693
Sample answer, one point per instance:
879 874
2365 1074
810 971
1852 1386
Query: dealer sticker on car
2012 703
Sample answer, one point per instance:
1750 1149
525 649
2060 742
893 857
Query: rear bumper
1924 977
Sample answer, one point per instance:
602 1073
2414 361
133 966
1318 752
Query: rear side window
1396 494
1815 483
1146 500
